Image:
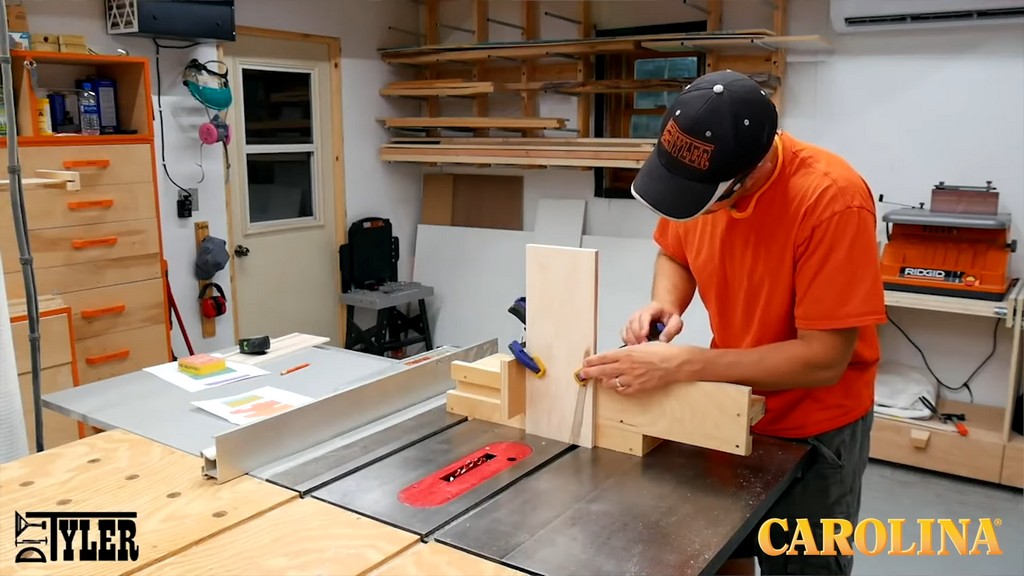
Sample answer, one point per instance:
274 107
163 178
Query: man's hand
647 366
639 325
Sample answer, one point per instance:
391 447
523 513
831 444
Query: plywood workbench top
433 559
119 472
300 537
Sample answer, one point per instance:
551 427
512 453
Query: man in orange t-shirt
779 238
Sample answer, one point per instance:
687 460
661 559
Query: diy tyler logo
871 537
75 537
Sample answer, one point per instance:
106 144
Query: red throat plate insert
459 477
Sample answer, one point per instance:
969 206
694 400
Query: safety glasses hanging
197 76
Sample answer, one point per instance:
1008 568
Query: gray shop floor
900 492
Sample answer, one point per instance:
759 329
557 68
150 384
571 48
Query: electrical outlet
194 192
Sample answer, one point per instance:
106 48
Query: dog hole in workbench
27 483
220 514
63 502
131 477
174 494
94 460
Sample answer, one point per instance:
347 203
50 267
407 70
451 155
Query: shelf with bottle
52 90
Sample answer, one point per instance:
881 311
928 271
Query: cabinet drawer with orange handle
80 244
116 308
119 353
57 207
97 165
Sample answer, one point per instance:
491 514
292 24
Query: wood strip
303 536
396 55
280 346
513 387
478 123
561 330
584 71
711 415
638 155
209 325
428 158
753 44
527 52
647 143
481 373
119 471
436 92
506 147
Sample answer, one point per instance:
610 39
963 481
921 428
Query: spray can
43 125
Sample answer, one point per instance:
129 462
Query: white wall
907 109
373 188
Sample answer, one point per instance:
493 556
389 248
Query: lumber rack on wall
535 152
483 70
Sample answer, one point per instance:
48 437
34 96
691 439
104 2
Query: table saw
380 442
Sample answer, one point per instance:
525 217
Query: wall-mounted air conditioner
896 15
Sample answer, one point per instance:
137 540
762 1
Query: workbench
355 495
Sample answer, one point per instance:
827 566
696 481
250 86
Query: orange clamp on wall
97 312
86 204
106 241
68 164
102 358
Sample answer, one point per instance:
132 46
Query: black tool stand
392 327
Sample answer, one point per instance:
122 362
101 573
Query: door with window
282 188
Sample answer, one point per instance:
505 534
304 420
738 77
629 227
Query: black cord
160 111
967 383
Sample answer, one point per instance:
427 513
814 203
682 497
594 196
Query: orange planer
948 253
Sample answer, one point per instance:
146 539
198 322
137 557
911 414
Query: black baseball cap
719 128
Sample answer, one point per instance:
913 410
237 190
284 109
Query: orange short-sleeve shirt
799 254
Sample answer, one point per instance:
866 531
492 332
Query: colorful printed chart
253 406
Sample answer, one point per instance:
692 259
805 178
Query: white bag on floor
898 387
13 437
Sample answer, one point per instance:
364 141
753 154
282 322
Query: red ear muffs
212 306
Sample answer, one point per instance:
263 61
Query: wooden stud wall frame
535 66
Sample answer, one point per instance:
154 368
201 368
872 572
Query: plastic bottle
89 113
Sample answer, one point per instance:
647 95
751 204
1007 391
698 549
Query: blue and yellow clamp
518 348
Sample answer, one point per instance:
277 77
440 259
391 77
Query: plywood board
559 222
625 286
477 274
488 201
561 329
473 200
301 537
435 558
711 415
118 471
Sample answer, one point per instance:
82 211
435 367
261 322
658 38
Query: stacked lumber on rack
476 123
551 152
763 40
440 87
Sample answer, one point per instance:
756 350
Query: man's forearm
778 366
673 284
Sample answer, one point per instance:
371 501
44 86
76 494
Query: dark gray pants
829 487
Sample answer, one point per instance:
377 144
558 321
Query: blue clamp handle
524 358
